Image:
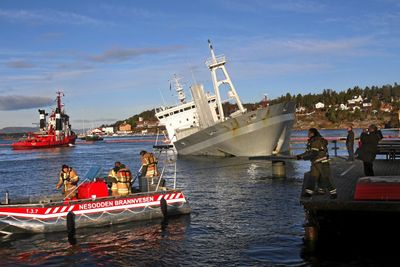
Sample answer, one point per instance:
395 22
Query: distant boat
203 127
93 137
54 133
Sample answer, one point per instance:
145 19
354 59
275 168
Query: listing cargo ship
203 127
54 133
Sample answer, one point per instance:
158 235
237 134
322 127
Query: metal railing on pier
389 146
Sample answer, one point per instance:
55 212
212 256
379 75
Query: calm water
241 215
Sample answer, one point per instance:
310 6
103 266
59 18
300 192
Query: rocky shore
318 120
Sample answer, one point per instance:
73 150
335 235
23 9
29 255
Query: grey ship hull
256 133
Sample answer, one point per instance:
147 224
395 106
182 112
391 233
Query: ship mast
218 62
179 89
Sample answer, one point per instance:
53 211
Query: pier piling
278 169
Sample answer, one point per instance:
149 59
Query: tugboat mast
59 93
214 63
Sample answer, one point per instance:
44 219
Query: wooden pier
346 217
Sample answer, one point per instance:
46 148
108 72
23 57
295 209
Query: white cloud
122 54
256 6
18 102
288 49
47 16
19 64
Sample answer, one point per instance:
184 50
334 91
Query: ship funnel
58 122
58 112
42 117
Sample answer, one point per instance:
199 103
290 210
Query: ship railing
215 61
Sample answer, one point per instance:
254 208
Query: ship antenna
212 50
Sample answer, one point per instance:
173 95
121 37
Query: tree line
376 95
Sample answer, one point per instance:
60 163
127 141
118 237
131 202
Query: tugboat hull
44 142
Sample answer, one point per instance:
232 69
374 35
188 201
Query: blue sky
114 59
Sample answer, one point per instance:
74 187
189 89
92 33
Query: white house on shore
319 105
343 107
300 109
355 100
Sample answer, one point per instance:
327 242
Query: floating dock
350 216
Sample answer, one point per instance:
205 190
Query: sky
115 59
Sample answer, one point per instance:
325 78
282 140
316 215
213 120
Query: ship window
187 108
176 111
181 110
166 115
193 106
187 119
171 113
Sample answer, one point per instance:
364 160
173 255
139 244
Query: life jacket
69 186
113 173
149 162
124 178
65 175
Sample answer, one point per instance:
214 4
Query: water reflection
132 244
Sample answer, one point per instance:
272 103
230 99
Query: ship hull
257 133
56 216
44 142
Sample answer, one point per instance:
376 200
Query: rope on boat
80 216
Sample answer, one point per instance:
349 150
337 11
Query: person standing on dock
320 173
369 147
68 180
350 143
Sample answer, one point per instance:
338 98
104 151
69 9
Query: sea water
241 215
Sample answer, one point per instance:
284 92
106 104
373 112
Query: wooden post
310 233
335 147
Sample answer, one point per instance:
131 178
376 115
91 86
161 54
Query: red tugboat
54 133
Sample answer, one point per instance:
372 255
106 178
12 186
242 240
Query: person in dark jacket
320 174
350 143
369 146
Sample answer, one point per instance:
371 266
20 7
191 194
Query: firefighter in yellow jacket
113 178
124 178
149 164
68 180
